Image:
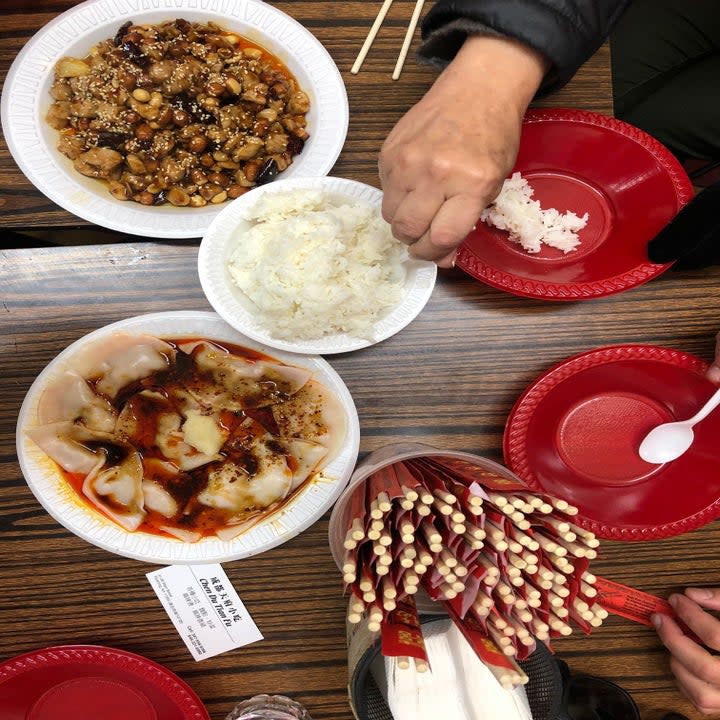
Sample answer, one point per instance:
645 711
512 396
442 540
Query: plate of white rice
574 218
308 265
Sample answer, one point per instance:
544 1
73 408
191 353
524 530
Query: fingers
685 650
411 218
432 224
423 249
706 597
703 695
456 218
705 626
451 224
697 671
713 373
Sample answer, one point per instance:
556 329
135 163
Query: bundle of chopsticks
508 566
374 31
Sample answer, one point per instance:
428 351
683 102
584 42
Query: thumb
713 373
705 597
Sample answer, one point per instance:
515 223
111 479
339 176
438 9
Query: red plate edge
516 458
634 277
176 688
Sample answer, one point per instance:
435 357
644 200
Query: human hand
713 373
446 159
696 671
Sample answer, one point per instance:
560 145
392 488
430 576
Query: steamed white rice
315 265
529 225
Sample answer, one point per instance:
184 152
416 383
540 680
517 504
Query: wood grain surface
449 379
376 101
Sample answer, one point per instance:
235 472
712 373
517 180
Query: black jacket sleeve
566 32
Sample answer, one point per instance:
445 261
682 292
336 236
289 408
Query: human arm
696 670
445 160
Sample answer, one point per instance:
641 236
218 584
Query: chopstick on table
374 31
408 39
371 36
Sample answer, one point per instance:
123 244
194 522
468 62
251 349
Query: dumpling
117 491
158 499
65 442
71 398
236 383
204 433
306 456
254 476
312 413
238 527
149 420
158 475
170 440
189 536
121 359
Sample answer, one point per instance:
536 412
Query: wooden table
449 380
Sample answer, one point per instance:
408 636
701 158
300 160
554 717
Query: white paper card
204 608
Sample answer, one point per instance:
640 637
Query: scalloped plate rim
603 529
17 665
571 292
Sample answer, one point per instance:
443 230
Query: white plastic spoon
670 440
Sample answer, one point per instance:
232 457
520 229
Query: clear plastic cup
269 707
343 511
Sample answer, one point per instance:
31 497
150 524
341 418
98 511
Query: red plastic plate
630 184
88 682
574 433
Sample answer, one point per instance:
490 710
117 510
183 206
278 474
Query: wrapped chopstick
510 564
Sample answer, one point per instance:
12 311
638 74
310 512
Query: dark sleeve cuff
441 45
566 33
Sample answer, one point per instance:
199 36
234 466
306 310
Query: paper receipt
204 608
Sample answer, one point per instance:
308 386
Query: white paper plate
219 243
32 142
61 501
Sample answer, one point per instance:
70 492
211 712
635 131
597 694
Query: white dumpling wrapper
188 536
120 359
158 499
117 491
231 487
308 456
240 383
69 397
315 414
171 441
63 443
168 435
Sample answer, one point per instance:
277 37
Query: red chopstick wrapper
400 633
636 605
